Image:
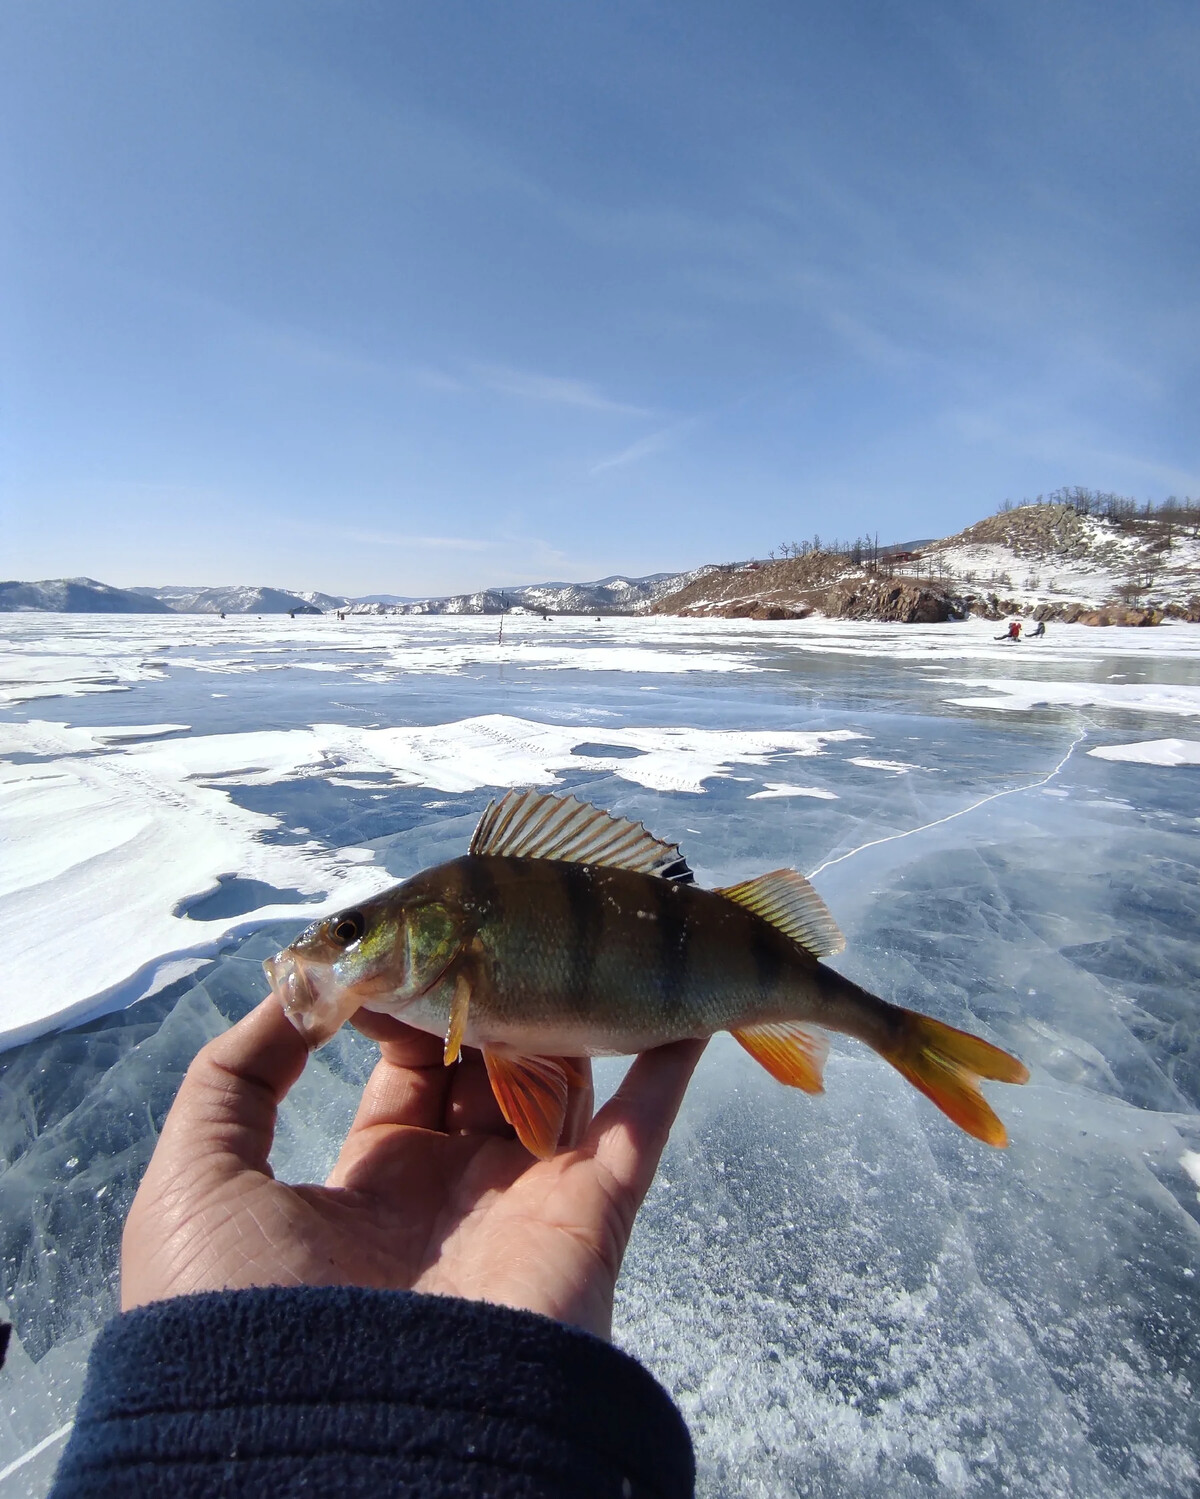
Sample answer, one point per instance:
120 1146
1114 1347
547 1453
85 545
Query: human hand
430 1193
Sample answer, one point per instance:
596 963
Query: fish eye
348 928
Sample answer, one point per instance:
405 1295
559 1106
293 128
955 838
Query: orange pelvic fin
459 1006
792 1053
947 1064
532 1094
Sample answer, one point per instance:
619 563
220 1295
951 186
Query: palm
430 1191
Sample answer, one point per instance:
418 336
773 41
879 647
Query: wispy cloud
434 379
644 447
555 390
1070 446
437 543
368 537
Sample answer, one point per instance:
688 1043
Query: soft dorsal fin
788 901
540 825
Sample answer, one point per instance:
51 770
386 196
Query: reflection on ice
845 1295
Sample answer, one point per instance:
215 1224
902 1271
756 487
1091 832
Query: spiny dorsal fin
540 825
788 901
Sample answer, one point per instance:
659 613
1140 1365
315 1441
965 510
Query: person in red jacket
434 1320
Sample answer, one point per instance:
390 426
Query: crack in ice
35 1451
950 817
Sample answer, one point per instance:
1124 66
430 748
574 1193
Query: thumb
224 1112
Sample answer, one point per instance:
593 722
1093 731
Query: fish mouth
304 1006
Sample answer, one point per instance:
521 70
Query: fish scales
565 931
612 949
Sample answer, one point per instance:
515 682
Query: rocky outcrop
991 607
1032 531
1120 614
1107 614
898 601
747 590
797 587
752 608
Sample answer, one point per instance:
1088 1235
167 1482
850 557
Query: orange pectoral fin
792 1053
532 1094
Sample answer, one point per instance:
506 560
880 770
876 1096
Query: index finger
629 1134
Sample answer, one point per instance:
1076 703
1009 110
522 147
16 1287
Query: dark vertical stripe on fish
480 889
768 961
586 923
674 932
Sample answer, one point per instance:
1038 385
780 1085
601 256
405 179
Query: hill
77 596
237 599
1050 560
1053 561
818 582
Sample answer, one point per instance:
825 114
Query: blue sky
424 297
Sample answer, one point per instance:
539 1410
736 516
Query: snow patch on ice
1016 696
1152 752
491 750
781 788
901 767
112 841
123 733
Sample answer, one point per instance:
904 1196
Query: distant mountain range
1057 559
239 600
612 595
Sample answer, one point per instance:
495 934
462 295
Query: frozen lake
845 1294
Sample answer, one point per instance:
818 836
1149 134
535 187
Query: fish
566 931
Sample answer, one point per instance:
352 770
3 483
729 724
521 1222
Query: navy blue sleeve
340 1391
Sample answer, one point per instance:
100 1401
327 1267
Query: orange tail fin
947 1064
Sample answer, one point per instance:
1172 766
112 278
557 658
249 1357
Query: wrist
408 1383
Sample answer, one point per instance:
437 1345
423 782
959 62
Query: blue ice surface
845 1294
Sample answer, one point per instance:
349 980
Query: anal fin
532 1094
791 1052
